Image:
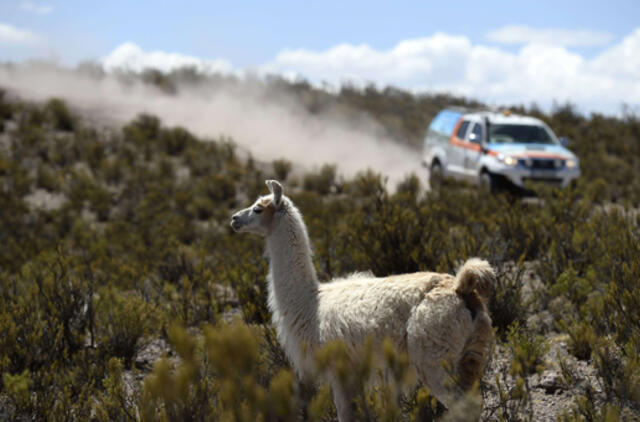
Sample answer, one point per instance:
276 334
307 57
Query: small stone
231 315
148 355
551 381
226 295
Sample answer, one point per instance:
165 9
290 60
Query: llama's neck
294 283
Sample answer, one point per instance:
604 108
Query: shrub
281 169
17 386
6 108
321 182
175 140
123 322
47 179
84 189
526 352
61 117
142 132
219 188
506 305
115 402
221 378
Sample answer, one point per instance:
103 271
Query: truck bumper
520 176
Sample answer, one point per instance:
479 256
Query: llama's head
260 217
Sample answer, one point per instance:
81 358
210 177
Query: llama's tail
476 274
475 284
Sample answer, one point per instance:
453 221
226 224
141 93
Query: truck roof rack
468 110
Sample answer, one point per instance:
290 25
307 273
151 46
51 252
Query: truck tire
488 182
435 176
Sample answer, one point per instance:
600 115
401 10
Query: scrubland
124 295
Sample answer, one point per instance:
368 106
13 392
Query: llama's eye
257 210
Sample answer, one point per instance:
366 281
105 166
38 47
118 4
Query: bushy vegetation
136 247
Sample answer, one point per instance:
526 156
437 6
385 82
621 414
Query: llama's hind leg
343 401
436 332
440 383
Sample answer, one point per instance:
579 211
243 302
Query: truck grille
542 164
545 164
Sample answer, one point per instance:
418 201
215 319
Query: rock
45 200
7 408
225 295
231 315
149 354
551 381
541 322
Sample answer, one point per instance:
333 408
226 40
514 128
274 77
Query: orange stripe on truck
454 140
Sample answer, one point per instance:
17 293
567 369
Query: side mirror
475 138
564 141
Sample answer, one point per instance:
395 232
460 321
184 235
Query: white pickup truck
496 149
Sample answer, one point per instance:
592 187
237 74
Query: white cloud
40 9
408 61
537 72
520 34
129 56
11 35
622 59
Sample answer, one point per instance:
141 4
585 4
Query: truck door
457 152
474 152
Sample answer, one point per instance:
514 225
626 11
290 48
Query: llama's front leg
343 402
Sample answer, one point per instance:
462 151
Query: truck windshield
527 134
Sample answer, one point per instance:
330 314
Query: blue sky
357 40
250 32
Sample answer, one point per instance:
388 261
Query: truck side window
476 134
462 130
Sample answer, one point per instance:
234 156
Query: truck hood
531 150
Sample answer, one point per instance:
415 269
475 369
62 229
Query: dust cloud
270 125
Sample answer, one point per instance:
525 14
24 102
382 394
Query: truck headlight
508 160
571 163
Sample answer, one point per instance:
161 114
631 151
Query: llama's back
361 306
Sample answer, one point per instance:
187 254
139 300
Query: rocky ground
551 392
561 377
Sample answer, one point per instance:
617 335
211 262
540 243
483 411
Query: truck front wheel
488 182
435 175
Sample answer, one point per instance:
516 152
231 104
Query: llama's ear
276 189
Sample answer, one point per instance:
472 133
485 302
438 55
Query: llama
430 316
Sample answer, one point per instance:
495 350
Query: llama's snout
235 222
251 220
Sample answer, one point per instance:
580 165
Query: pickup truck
496 150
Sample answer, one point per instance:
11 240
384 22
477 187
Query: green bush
48 179
6 108
281 168
123 322
323 181
174 141
61 117
219 376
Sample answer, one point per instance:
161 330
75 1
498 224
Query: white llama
430 316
